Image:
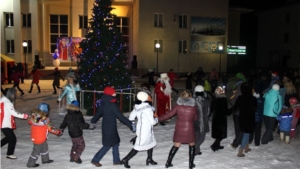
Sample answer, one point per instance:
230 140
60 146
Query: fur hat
276 87
199 88
164 76
44 107
293 100
72 107
142 96
109 90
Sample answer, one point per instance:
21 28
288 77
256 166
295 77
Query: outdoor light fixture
220 49
157 46
25 44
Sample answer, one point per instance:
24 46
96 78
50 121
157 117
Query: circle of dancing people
275 103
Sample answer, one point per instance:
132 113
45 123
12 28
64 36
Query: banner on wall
68 48
207 34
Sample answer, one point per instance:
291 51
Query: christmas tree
102 61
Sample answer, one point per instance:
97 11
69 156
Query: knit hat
293 100
199 88
240 76
75 103
44 107
276 87
274 73
256 95
109 90
142 96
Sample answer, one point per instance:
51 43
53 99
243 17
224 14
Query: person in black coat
199 76
219 119
110 137
246 105
20 68
75 122
56 77
150 76
189 81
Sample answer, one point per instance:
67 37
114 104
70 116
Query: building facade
143 23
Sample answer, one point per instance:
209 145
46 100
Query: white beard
168 89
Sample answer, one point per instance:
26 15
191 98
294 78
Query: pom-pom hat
142 96
109 91
275 87
293 100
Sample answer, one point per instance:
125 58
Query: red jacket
36 76
15 76
39 132
162 100
172 76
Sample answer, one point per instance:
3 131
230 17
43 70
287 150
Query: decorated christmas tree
102 61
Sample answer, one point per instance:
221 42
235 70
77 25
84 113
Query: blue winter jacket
273 103
285 121
260 110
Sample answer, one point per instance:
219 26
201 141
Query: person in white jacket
143 111
7 121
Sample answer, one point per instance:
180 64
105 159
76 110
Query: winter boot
149 158
292 133
39 89
281 136
240 153
287 139
30 89
172 153
191 156
125 160
247 149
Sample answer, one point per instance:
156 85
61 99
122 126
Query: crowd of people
254 101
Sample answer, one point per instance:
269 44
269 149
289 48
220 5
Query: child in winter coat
296 115
40 126
75 122
285 122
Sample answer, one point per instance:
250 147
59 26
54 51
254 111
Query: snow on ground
275 155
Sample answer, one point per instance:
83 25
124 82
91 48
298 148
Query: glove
61 132
133 140
92 127
133 126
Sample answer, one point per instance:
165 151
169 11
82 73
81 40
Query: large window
9 19
182 21
182 46
26 20
10 46
58 28
27 49
158 20
83 22
123 25
160 49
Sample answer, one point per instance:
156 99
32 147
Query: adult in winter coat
246 105
36 75
184 130
15 76
258 119
189 80
56 79
289 93
219 119
143 111
70 89
272 107
151 74
75 122
110 137
203 110
199 76
172 76
213 74
7 123
274 79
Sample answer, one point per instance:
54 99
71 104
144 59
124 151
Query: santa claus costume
163 92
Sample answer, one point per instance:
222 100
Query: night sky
258 4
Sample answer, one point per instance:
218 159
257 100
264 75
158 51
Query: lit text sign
236 50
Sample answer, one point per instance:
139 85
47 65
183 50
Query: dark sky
258 4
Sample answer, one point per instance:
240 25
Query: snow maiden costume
70 90
145 140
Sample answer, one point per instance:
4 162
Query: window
27 49
10 46
287 18
286 38
83 22
123 26
160 50
58 28
182 46
26 20
182 21
158 20
9 19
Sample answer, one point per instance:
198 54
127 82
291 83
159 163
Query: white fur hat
256 95
163 75
142 96
275 87
199 88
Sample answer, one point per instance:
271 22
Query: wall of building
171 34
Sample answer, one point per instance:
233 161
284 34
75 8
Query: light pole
220 49
157 46
24 44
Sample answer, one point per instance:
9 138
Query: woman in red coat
184 130
36 74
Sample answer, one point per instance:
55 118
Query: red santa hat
109 91
274 73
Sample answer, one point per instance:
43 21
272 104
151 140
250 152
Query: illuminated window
182 21
26 20
123 24
83 22
158 20
9 19
58 28
160 49
182 46
27 49
10 46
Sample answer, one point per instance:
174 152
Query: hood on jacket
186 101
72 107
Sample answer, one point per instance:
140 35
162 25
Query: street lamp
157 46
24 44
220 49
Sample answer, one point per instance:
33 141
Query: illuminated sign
236 50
